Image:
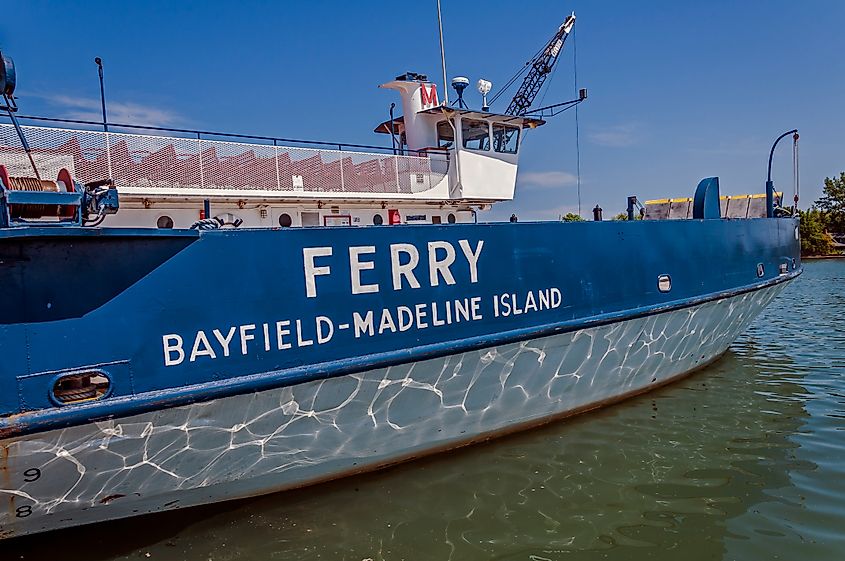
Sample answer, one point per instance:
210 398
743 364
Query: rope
206 224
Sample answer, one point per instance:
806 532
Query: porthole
378 220
79 387
451 218
760 270
285 220
164 222
664 283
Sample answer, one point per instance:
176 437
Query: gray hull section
292 436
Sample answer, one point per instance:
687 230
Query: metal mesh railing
145 161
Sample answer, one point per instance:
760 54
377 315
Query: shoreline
822 257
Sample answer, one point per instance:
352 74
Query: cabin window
476 134
505 138
445 135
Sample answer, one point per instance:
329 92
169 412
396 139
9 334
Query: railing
143 161
212 135
731 206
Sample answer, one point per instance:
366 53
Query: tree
814 239
624 216
833 203
570 217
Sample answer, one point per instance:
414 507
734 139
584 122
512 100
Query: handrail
145 161
198 134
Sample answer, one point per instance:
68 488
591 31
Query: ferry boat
192 320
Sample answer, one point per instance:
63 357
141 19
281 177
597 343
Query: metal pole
9 108
770 187
442 56
392 135
631 202
99 62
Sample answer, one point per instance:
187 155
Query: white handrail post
108 155
342 185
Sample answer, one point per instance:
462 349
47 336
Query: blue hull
121 301
178 320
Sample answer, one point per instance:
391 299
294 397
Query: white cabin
449 164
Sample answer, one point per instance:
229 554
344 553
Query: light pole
770 187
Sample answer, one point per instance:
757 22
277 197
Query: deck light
770 186
484 88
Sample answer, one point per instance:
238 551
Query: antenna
442 55
8 81
460 83
484 87
99 62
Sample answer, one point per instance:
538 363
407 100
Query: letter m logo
428 98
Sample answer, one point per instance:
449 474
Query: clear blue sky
678 90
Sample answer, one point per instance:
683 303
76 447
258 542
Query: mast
442 56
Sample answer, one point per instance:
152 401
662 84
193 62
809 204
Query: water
743 460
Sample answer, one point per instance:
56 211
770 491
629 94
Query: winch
63 201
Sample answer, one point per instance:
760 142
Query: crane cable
795 171
577 128
518 74
510 82
547 85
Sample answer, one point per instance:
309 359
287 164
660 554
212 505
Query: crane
540 68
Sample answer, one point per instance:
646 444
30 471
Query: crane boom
541 67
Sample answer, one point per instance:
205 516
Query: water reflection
739 461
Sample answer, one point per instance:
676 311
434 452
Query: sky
678 91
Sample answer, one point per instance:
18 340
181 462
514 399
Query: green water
744 460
